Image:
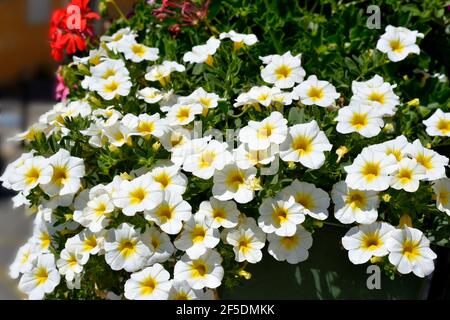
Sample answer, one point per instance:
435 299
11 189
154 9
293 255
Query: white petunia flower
137 195
351 205
376 93
169 178
204 163
293 249
113 87
239 39
409 251
314 201
200 96
283 71
370 171
398 42
124 249
150 125
136 52
66 176
23 261
96 215
305 144
262 95
197 237
31 173
170 213
408 175
366 241
361 118
181 290
152 283
247 241
41 279
433 162
161 247
246 158
441 189
398 147
204 272
71 263
438 124
181 114
150 95
219 213
316 92
162 71
234 183
86 242
280 215
203 53
260 135
113 41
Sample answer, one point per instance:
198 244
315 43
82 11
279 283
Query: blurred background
27 83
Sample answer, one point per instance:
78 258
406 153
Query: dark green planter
327 274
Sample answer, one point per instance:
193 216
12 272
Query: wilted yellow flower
245 274
341 151
405 219
413 103
386 197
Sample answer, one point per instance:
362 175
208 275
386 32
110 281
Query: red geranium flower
70 27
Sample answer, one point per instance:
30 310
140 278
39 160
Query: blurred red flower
186 13
70 27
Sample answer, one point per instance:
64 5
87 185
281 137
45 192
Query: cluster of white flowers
175 228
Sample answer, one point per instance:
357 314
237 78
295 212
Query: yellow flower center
265 131
377 97
60 175
443 197
396 45
127 247
305 200
396 153
219 214
244 244
356 199
164 212
425 161
303 145
148 286
206 159
146 127
205 101
443 126
198 234
41 276
72 261
164 179
89 243
404 175
32 175
155 242
371 171
111 86
108 73
290 243
137 195
181 296
45 240
183 114
359 120
315 93
198 269
411 249
283 72
138 50
235 179
280 215
371 241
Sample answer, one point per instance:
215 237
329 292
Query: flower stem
117 9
